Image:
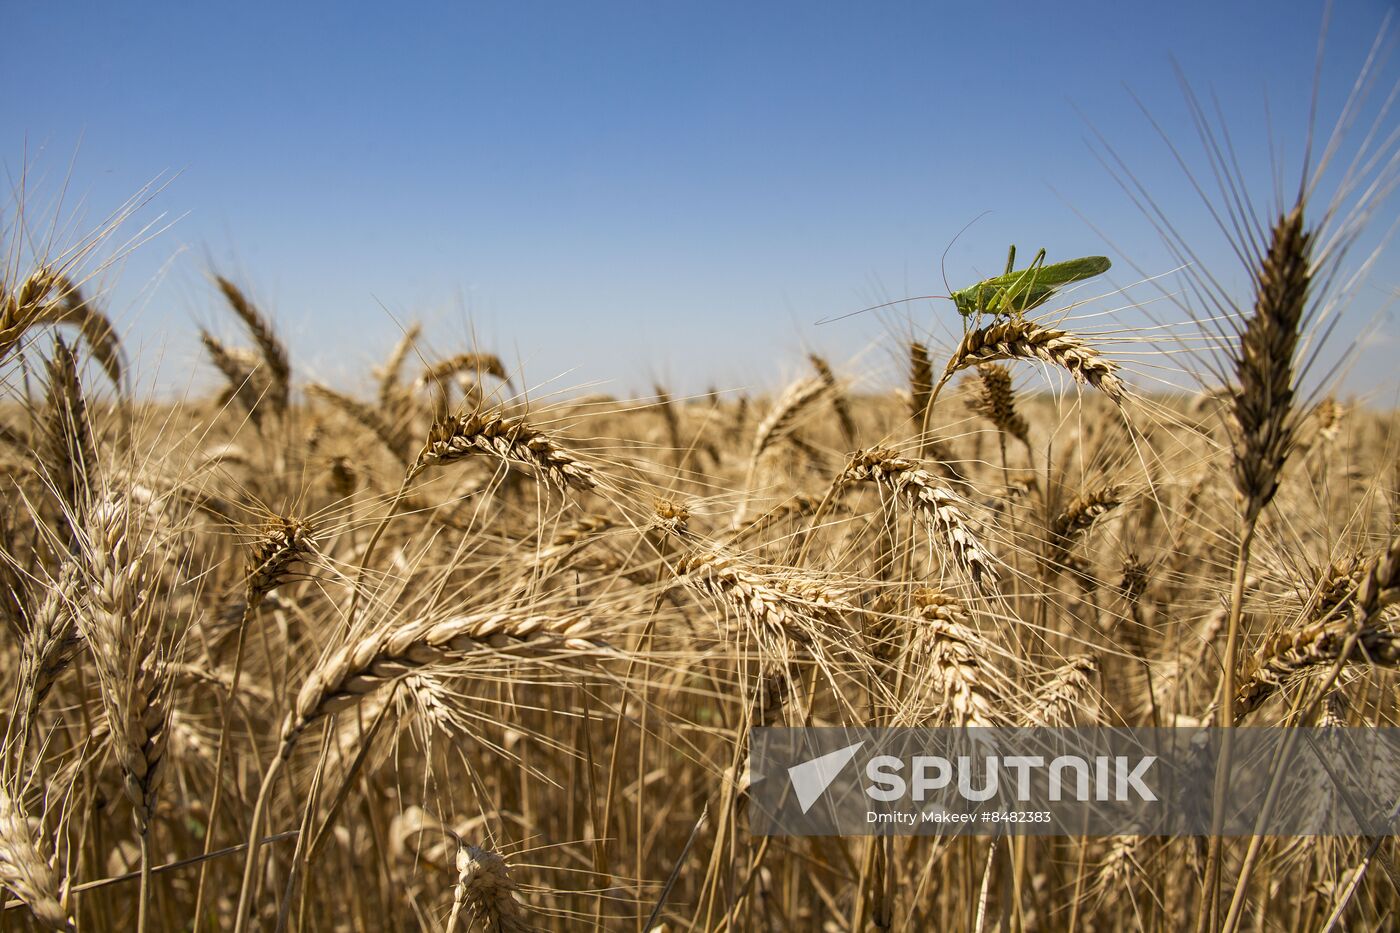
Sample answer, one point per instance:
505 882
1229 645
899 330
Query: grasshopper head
966 301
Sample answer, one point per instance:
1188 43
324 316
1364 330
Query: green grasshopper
1017 291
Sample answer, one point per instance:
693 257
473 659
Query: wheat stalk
1263 428
283 545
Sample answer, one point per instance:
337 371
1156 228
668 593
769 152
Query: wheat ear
487 892
961 681
70 454
776 425
48 296
389 373
1065 694
840 404
478 364
1020 339
1264 422
283 545
25 869
512 441
123 633
272 350
243 381
394 439
1292 653
933 502
342 679
49 641
788 605
994 399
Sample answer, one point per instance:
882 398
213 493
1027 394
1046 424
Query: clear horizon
633 195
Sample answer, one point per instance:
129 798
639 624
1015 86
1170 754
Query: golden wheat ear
840 402
487 892
48 297
272 351
26 868
511 440
962 687
394 438
1027 340
937 506
1261 399
993 398
69 449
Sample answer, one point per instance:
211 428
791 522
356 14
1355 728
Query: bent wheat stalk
789 605
346 676
776 425
937 506
511 440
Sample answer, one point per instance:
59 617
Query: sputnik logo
811 778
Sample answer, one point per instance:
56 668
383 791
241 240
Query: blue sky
629 192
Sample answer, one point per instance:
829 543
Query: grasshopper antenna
943 260
897 301
941 268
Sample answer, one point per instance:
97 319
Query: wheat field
448 652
